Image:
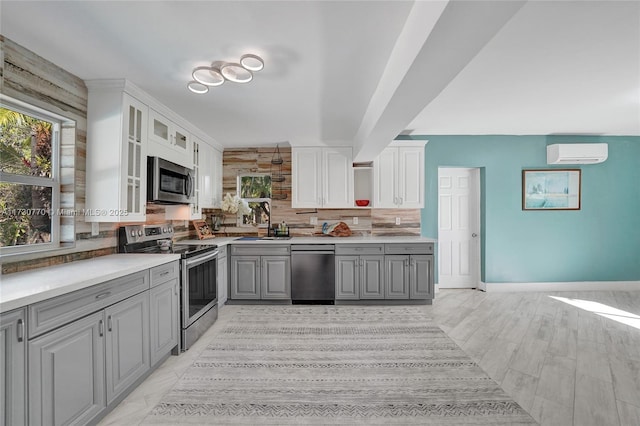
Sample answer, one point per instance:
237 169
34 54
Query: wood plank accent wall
32 79
374 222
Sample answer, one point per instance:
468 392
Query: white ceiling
359 72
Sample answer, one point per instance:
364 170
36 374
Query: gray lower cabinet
347 277
397 276
359 272
79 363
67 373
164 325
421 285
409 271
275 277
245 277
77 370
13 345
127 343
372 277
223 276
260 272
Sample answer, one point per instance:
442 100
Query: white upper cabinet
123 128
195 208
217 179
306 179
168 140
116 156
322 177
398 177
210 176
411 177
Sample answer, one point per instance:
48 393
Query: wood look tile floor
568 358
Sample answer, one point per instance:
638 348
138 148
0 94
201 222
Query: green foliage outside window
25 207
256 190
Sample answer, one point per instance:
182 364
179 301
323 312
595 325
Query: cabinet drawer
413 248
260 250
163 273
53 313
358 249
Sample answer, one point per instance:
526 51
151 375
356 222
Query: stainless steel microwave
168 183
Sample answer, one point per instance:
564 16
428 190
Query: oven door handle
201 259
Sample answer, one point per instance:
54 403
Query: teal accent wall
599 242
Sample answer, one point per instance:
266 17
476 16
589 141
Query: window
29 179
255 189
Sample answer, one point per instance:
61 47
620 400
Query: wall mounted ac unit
577 153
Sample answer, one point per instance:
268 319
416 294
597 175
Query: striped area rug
335 365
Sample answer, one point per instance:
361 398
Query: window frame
252 200
57 124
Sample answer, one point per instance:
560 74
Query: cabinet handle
109 323
20 330
101 328
103 295
401 201
164 273
406 262
413 262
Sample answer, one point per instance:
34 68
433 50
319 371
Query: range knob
133 233
170 229
140 233
164 230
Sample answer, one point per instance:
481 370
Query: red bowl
362 203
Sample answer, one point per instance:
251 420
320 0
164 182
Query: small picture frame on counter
203 229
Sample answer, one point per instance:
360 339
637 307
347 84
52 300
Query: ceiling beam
439 39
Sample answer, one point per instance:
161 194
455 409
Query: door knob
474 235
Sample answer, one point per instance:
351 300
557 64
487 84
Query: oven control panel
144 233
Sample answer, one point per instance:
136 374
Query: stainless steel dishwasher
313 273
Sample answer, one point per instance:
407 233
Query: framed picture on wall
551 189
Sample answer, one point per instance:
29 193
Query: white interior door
458 227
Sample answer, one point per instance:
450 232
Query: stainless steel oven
199 294
198 270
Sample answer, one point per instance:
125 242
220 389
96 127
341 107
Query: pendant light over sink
219 72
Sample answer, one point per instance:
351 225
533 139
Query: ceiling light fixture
236 73
252 62
208 76
219 72
197 87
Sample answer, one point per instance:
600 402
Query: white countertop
23 288
221 241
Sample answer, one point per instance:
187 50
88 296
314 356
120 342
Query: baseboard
562 286
438 287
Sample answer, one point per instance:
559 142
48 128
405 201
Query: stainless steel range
198 269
